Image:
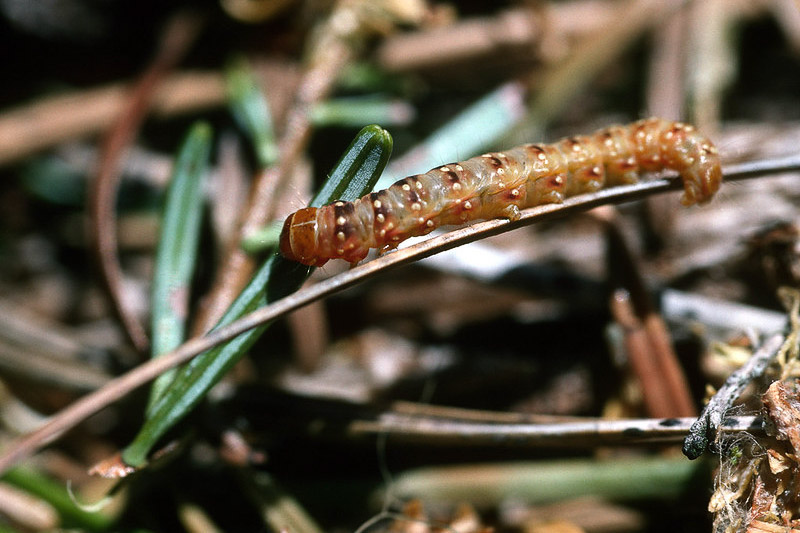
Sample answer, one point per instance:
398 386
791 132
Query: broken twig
705 428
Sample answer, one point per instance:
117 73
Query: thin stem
586 433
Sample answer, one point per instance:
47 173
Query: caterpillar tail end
298 238
700 188
701 183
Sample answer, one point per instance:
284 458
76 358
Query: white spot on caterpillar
340 236
467 205
456 186
459 168
380 218
406 187
341 221
339 204
377 204
416 206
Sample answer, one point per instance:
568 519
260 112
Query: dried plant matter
759 478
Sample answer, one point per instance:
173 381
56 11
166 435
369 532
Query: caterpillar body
500 184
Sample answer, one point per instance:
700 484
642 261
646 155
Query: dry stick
665 98
714 61
510 35
119 387
310 337
431 411
49 121
704 430
664 384
588 432
665 77
594 54
41 367
175 42
657 395
46 122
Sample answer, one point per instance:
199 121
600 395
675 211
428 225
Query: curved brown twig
322 69
119 387
176 40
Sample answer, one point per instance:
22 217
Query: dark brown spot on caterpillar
451 176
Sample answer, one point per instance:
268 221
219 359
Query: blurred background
528 326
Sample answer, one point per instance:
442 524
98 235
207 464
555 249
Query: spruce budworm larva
500 184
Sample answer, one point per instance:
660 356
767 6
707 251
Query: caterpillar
500 184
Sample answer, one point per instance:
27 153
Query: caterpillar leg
387 248
511 212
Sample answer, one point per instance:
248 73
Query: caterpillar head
299 238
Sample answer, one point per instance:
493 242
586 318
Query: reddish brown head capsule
299 237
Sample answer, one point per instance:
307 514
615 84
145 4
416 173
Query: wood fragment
664 384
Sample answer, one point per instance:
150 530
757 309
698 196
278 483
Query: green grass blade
358 170
251 111
265 238
354 175
56 494
177 247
